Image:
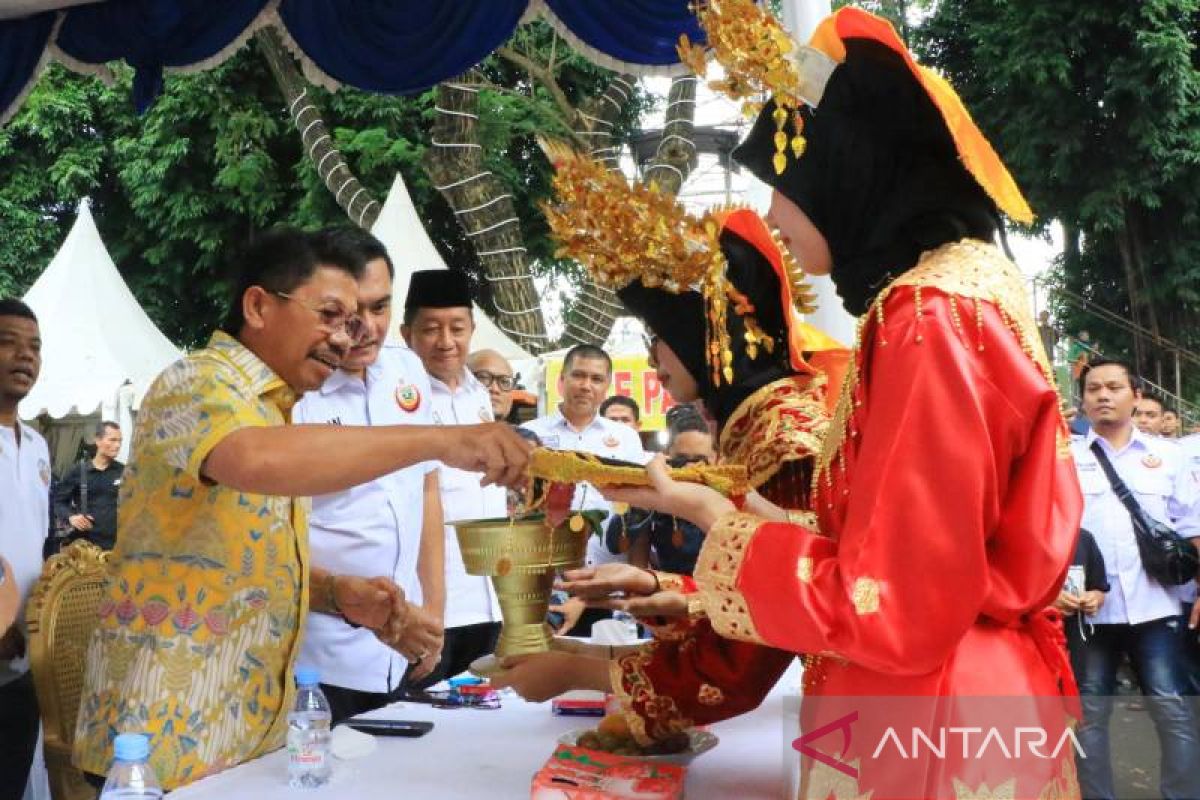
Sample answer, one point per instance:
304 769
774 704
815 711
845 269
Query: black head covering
880 178
437 288
679 320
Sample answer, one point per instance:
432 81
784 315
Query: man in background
24 522
624 410
495 373
577 425
438 326
1148 415
1140 618
86 497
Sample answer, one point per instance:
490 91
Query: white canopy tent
100 351
402 232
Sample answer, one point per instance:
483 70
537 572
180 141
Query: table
475 754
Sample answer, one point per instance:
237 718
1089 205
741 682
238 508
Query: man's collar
466 382
339 379
561 419
262 379
1136 438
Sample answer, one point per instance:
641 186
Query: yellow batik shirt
208 586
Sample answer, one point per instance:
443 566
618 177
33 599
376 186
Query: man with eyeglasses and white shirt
494 372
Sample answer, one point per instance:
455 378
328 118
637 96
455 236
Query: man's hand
10 596
1194 619
1067 603
80 522
12 644
375 603
420 642
492 448
541 676
1091 601
601 582
571 610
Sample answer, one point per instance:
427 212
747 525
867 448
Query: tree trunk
594 311
1132 288
675 157
350 194
591 316
486 212
1137 251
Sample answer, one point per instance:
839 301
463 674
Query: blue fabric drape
399 46
152 34
637 31
392 46
22 42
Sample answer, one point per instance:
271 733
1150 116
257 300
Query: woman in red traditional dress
745 360
947 501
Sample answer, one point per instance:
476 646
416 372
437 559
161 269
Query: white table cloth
477 754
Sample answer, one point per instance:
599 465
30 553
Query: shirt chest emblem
611 441
408 397
1151 461
44 471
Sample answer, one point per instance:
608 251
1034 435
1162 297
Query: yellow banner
632 377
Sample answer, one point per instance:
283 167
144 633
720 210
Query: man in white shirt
390 527
1140 617
577 425
438 325
24 523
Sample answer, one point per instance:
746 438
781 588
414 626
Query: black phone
411 728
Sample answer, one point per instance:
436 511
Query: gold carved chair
61 615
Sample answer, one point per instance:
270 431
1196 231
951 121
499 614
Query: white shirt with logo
24 517
371 529
470 599
601 437
1156 472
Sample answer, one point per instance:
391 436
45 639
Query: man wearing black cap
438 325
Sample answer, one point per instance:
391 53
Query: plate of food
612 736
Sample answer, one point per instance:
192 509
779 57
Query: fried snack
570 466
612 736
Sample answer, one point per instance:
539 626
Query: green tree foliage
216 160
1093 106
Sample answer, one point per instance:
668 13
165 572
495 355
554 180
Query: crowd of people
292 486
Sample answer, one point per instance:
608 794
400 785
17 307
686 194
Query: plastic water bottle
131 777
309 762
629 621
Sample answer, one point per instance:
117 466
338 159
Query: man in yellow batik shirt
209 582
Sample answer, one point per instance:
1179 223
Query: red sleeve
669 686
949 406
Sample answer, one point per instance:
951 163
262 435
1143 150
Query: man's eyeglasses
505 382
334 318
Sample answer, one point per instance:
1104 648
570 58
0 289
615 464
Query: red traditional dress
691 675
948 511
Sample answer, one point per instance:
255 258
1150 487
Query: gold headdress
624 232
760 57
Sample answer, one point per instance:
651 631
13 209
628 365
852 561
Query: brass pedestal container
521 558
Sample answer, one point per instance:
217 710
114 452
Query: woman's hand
694 502
603 581
540 676
660 604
